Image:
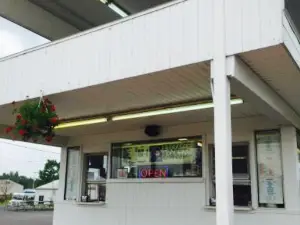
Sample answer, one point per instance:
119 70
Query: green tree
50 172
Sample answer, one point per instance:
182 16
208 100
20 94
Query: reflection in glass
168 158
95 182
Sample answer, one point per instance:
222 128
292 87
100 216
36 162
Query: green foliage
34 119
50 172
14 176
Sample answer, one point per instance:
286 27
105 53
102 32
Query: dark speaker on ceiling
152 130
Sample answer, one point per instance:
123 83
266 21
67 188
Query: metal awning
57 19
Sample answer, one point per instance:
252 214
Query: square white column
290 168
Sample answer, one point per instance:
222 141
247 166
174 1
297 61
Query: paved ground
25 218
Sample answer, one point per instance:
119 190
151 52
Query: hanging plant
35 119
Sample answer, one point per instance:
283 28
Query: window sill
236 208
259 210
91 203
158 180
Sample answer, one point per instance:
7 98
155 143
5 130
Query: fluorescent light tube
182 139
117 9
81 123
172 110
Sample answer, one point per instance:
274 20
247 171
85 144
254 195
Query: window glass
161 159
241 175
270 174
95 178
72 173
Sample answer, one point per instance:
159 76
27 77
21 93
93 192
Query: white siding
136 203
155 40
10 187
167 36
49 194
253 24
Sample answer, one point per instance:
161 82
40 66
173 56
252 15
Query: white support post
290 168
222 120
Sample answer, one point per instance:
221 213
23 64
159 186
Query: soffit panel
276 67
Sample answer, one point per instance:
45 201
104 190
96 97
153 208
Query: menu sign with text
169 153
270 174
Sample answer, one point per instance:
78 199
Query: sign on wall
168 153
270 174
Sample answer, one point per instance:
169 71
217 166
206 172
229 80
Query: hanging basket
35 120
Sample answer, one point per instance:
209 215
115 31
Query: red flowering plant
35 119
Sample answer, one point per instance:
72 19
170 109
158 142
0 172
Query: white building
47 192
214 76
8 187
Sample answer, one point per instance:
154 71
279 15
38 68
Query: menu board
270 174
176 152
72 179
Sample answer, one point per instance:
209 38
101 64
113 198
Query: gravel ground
25 218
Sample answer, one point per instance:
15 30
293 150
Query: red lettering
163 173
151 172
156 173
143 173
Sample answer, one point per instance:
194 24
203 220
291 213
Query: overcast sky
19 156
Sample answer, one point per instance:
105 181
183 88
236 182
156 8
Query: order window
95 174
159 159
241 175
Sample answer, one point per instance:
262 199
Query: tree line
49 173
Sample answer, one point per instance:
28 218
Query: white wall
168 36
253 24
175 202
158 39
10 187
15 188
49 194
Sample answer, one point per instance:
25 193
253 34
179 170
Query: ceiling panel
81 14
90 13
238 111
134 6
162 88
276 67
184 84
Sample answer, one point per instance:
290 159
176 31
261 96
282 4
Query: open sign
148 172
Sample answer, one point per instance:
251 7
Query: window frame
110 160
68 149
260 205
211 178
84 181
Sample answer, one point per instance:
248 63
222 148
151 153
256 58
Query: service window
241 175
159 159
95 173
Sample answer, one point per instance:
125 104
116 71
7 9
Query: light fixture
199 144
114 7
182 139
81 123
172 110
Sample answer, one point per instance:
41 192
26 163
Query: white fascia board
249 79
